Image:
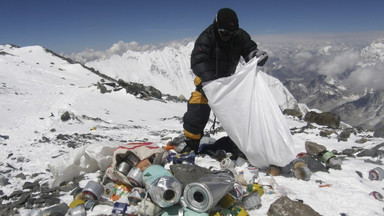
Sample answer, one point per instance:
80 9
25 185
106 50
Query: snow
37 87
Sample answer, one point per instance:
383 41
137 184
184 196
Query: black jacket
213 58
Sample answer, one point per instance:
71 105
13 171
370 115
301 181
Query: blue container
119 208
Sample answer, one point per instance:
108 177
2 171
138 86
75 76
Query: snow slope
37 88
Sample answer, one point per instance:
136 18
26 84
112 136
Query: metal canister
252 201
227 163
327 155
77 211
135 177
302 173
132 159
207 192
377 196
93 190
376 174
124 167
297 163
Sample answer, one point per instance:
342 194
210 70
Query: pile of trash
145 179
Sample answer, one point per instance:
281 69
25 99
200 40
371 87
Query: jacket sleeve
202 64
249 47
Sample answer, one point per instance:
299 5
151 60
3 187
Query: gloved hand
263 57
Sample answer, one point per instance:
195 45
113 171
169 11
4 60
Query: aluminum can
124 167
132 159
135 177
377 195
302 173
93 190
376 174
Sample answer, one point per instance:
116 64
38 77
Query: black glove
263 57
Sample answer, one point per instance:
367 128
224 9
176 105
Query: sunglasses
225 32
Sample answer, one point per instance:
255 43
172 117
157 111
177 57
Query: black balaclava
227 19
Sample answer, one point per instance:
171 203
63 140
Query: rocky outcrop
327 119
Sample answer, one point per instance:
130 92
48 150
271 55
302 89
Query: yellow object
255 187
227 201
76 202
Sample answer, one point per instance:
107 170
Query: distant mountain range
323 76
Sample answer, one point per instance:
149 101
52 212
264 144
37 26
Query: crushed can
93 190
376 174
377 196
119 208
252 201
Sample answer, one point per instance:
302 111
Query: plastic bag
250 115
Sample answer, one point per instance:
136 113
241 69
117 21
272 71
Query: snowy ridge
167 70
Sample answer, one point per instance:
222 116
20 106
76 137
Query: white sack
87 159
250 115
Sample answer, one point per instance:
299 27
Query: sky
75 25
